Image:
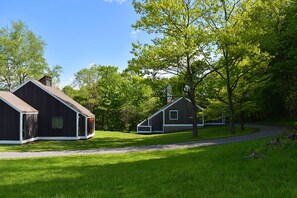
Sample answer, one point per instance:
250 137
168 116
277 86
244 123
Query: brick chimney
46 80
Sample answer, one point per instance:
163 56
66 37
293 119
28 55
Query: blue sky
78 32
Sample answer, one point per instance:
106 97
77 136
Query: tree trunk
231 112
194 115
242 116
194 129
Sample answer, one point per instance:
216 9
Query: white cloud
118 1
134 33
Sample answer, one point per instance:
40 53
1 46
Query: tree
119 100
55 74
277 97
181 46
235 44
139 100
21 55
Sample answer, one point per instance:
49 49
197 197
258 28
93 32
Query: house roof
16 102
59 95
66 99
170 104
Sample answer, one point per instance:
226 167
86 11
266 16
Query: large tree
181 46
236 44
21 55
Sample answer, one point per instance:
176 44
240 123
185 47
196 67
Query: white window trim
170 118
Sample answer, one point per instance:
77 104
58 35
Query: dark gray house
18 120
38 111
60 117
175 116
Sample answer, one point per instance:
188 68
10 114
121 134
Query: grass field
217 171
117 139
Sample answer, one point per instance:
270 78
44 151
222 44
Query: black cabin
60 117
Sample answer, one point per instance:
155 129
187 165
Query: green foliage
237 49
55 73
277 97
21 55
119 100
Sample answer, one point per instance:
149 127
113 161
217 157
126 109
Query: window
173 115
57 122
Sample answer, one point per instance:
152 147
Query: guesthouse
177 115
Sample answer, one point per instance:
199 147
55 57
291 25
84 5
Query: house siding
157 122
9 122
30 123
145 123
48 107
185 113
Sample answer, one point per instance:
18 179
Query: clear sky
78 32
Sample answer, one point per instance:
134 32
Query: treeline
120 100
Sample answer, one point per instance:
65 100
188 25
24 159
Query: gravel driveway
264 131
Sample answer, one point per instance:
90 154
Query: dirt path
264 131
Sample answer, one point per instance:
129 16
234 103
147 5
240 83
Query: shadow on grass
211 172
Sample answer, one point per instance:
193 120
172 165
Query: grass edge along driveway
105 139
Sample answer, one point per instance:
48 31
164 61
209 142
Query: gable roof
62 97
170 104
16 102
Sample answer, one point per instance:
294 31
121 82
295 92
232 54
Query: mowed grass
217 171
104 139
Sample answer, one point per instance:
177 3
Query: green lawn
117 139
217 171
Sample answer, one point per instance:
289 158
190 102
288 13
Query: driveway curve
264 131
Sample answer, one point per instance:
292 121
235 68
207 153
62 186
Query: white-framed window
57 122
173 115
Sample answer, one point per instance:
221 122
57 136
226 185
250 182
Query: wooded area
239 57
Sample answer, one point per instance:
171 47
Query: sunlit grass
217 171
104 139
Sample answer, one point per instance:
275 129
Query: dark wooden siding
144 128
145 123
82 125
185 113
48 107
9 122
30 126
157 122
